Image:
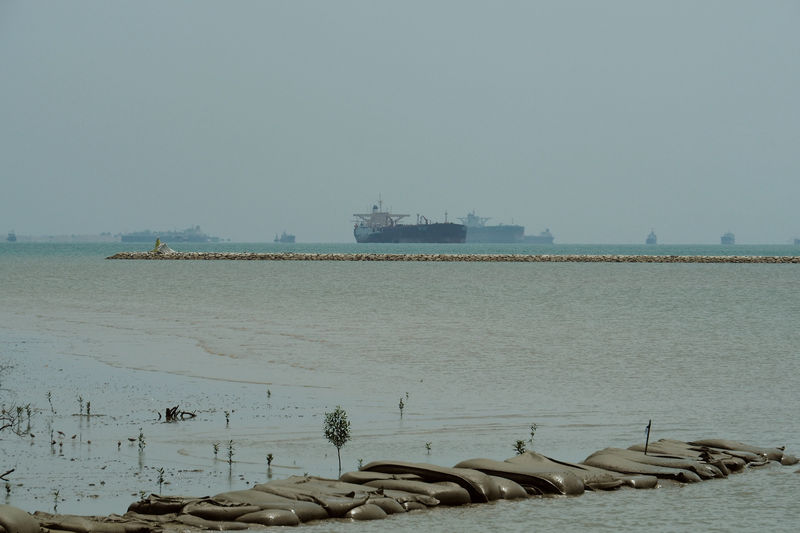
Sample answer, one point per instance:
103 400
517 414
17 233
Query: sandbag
724 461
480 487
331 487
202 523
15 520
155 504
534 480
389 505
368 511
414 506
616 463
321 491
447 493
509 490
702 469
306 511
147 520
360 477
592 478
773 454
271 517
403 497
214 510
79 524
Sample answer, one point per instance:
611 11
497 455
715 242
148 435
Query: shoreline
383 488
490 258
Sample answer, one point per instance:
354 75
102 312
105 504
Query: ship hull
412 233
504 233
538 239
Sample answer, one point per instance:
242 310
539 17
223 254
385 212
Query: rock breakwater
490 258
382 488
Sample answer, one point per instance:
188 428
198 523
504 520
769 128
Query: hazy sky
597 119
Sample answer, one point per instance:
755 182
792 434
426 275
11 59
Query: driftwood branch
173 414
4 474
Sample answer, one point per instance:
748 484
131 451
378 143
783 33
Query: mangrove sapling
519 447
227 418
4 367
160 478
141 440
216 449
7 420
80 405
401 405
50 401
337 430
269 460
230 453
534 427
428 447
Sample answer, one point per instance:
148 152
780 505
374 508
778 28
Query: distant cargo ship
727 238
382 226
194 234
12 237
478 231
544 237
651 239
284 237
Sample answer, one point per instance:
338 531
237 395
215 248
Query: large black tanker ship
382 226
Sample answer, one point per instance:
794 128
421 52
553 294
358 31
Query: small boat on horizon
651 239
284 237
727 238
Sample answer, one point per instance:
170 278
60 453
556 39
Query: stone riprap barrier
382 488
497 258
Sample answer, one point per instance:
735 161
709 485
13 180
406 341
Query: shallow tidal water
478 352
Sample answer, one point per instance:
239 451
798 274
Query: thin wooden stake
647 439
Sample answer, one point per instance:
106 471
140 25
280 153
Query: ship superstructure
651 239
284 237
478 231
383 226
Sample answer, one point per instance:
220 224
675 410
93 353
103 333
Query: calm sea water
477 351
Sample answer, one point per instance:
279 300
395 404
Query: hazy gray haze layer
600 120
